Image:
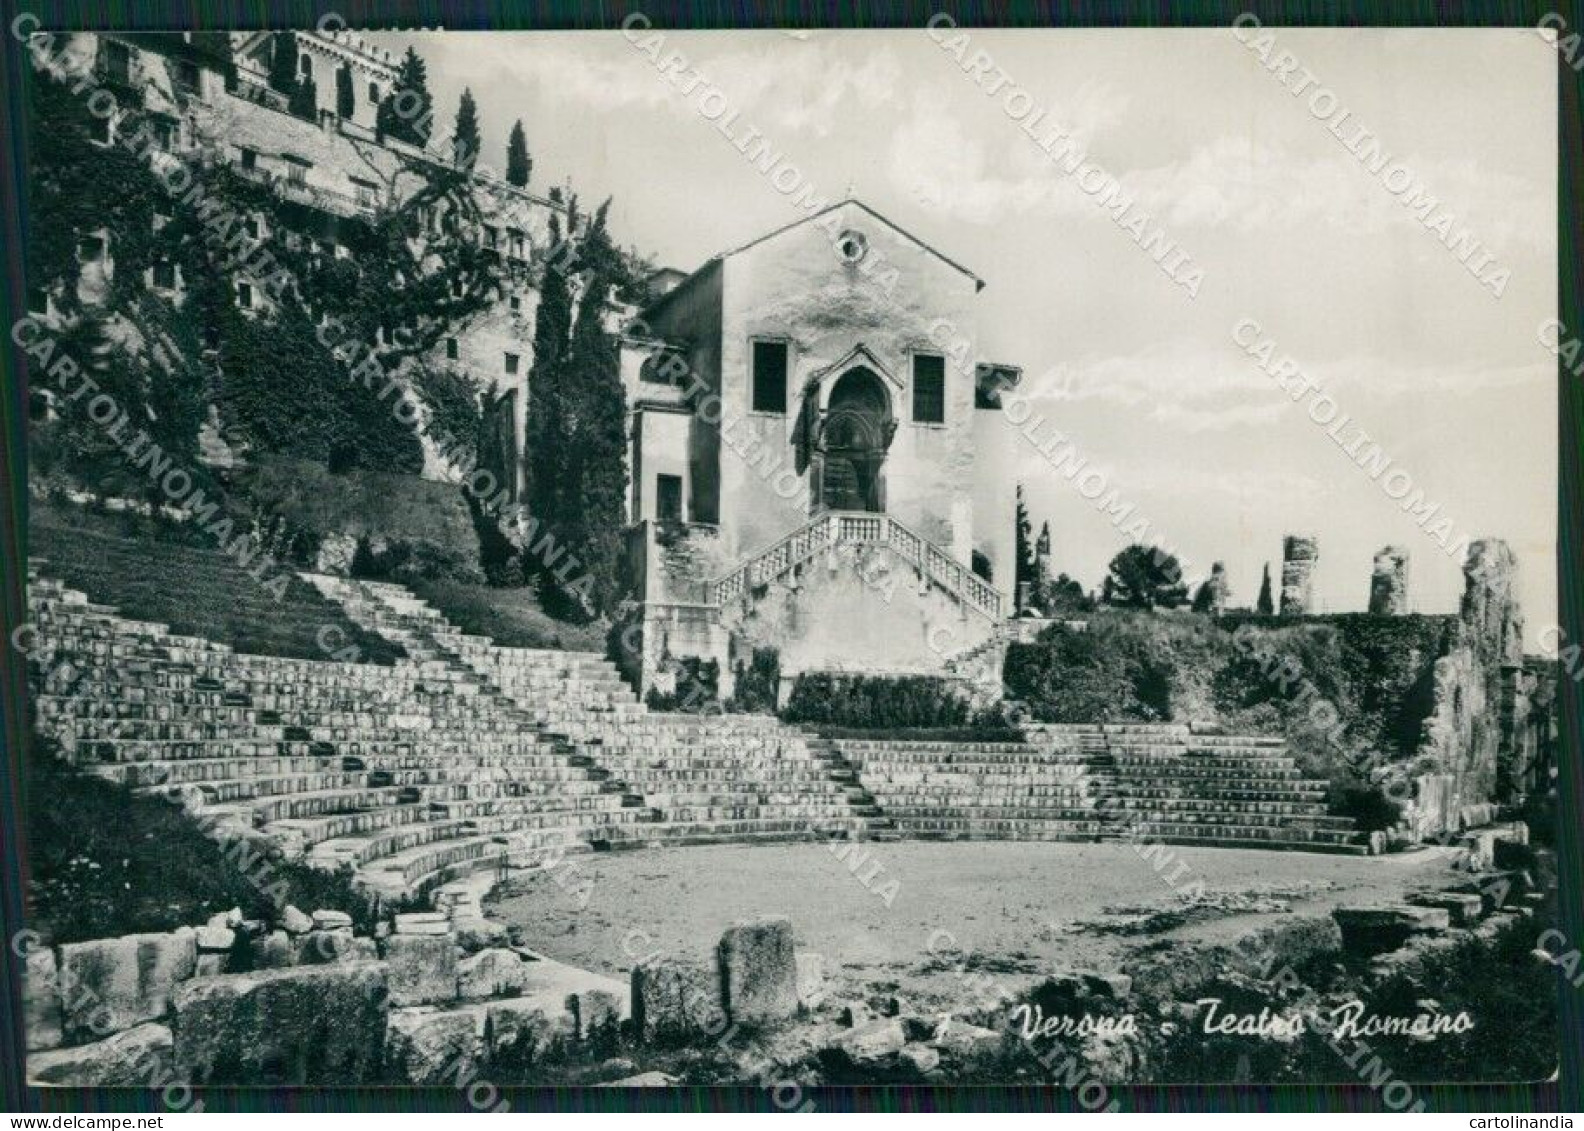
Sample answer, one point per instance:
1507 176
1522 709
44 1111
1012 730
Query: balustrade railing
849 528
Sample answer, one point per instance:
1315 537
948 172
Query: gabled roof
810 218
978 282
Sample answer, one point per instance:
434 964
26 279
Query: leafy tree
519 166
407 112
465 137
283 62
1144 578
1264 605
305 100
346 98
1066 595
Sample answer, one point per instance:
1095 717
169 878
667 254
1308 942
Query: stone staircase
1162 783
834 529
702 777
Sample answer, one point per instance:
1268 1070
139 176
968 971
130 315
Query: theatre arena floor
1022 909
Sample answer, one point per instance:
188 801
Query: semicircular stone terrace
460 755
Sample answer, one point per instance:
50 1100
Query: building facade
805 455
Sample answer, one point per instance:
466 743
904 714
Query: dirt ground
1021 909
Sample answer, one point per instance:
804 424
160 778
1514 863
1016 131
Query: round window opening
851 246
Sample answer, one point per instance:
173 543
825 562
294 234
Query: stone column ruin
1300 555
1389 582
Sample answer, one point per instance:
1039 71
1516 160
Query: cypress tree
465 137
1265 606
283 62
519 166
407 113
1023 552
599 447
544 440
305 99
346 100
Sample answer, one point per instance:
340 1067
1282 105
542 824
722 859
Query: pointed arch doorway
855 433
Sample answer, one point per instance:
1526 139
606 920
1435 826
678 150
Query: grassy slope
102 861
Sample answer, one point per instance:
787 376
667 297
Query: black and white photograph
788 560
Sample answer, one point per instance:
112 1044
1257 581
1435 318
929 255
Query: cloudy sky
1289 228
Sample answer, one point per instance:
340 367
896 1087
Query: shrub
1099 675
828 698
757 683
697 688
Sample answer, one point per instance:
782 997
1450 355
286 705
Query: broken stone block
676 999
759 971
492 973
303 1025
213 938
319 948
41 1000
525 1028
112 984
962 1039
428 1046
423 969
810 979
871 1044
332 921
423 923
921 1058
1463 908
273 951
210 963
137 1058
1368 931
295 922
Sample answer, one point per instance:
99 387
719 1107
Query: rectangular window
367 194
90 249
186 75
251 227
165 275
929 389
249 158
511 363
245 296
297 171
451 349
668 498
515 303
769 376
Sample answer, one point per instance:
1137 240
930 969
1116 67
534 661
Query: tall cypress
545 441
465 137
407 112
519 166
599 478
1023 552
1265 605
283 62
346 98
